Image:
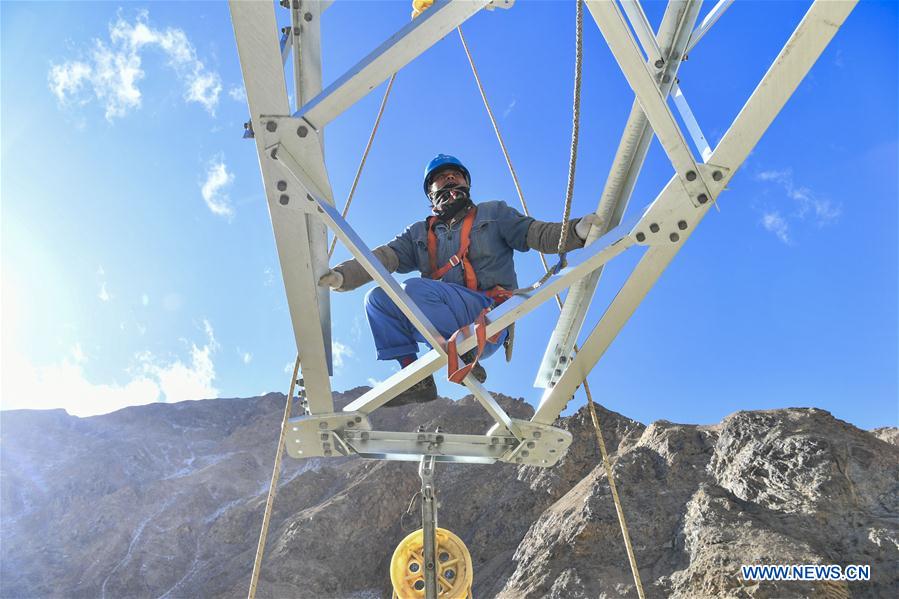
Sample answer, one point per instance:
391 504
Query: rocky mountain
166 500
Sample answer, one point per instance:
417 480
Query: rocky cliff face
167 500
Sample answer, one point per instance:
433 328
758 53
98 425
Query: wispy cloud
238 93
152 379
103 293
245 356
214 188
339 352
112 68
808 205
510 107
268 274
774 222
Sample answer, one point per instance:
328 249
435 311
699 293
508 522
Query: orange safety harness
498 294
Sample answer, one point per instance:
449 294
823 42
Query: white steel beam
640 77
398 51
673 35
709 20
813 34
686 114
255 30
641 27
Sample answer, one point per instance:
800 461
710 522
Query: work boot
423 391
478 371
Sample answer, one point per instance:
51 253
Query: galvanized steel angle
541 445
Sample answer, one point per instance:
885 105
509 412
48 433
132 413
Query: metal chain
371 139
273 487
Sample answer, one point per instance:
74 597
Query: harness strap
454 373
460 257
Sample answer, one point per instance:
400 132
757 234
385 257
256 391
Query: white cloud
214 189
152 379
288 368
339 351
145 299
245 356
808 203
113 68
269 276
807 206
103 293
238 93
510 107
373 382
774 222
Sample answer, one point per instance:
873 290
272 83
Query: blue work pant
448 306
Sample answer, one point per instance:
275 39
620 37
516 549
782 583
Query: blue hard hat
441 161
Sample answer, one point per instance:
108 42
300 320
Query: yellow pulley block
454 570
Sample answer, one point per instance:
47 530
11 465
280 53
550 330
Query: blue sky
138 262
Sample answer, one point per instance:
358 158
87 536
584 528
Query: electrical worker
465 255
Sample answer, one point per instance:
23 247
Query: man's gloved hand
332 279
582 228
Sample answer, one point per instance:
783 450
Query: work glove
332 279
582 228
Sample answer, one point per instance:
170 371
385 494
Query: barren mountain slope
166 500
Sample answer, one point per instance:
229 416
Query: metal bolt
282 185
284 199
439 439
654 227
536 434
311 199
717 175
563 359
420 438
271 126
324 436
641 237
494 440
674 237
296 4
364 436
274 153
659 63
302 131
702 198
682 225
285 30
557 372
691 175
525 453
561 440
518 460
419 585
327 452
350 423
552 451
531 445
322 425
326 446
307 17
358 418
666 78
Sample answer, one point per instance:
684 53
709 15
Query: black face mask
449 201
